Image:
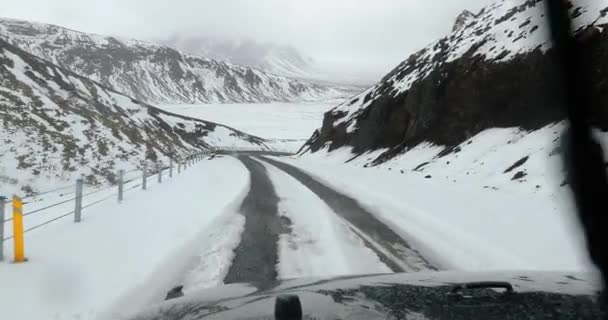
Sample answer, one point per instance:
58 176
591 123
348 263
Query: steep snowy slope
495 70
56 125
155 73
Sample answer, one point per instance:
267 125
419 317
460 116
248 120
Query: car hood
427 295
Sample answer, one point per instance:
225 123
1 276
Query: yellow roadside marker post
18 230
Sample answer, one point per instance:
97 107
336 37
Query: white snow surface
463 226
122 257
291 121
320 242
466 208
287 126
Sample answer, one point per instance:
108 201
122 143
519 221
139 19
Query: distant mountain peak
463 18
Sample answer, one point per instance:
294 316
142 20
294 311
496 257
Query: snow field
464 227
293 121
122 256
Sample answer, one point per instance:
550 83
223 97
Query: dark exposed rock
457 98
420 166
463 18
519 175
175 293
517 164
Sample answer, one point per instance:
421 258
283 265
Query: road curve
392 250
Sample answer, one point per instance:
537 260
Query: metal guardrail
78 195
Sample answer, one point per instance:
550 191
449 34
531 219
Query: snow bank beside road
121 256
460 226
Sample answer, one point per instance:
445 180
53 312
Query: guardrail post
78 207
2 211
19 249
144 176
170 167
159 165
121 176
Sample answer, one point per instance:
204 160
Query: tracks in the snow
392 250
256 256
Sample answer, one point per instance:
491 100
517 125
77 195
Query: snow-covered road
295 226
253 218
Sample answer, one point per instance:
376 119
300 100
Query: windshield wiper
583 155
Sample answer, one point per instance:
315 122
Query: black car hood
537 295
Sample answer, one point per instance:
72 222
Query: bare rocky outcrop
496 71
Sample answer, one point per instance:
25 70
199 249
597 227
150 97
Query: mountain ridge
155 73
496 71
57 125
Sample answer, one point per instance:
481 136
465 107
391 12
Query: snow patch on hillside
156 73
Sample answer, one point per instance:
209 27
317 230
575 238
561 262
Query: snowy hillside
156 73
495 70
281 60
57 125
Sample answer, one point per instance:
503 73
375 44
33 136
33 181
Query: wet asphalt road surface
256 256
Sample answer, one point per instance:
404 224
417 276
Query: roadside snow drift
122 256
463 225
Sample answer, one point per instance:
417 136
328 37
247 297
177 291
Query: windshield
221 150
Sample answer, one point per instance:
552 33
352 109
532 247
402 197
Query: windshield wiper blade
583 155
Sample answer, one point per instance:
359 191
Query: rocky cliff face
156 73
463 19
495 70
56 125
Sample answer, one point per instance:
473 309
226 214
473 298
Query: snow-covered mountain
156 73
495 70
56 125
277 59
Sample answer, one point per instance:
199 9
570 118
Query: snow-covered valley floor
295 121
195 229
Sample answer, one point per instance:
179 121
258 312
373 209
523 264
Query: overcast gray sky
372 34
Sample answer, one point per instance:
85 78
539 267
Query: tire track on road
392 250
256 256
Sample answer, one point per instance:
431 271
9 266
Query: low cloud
372 35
